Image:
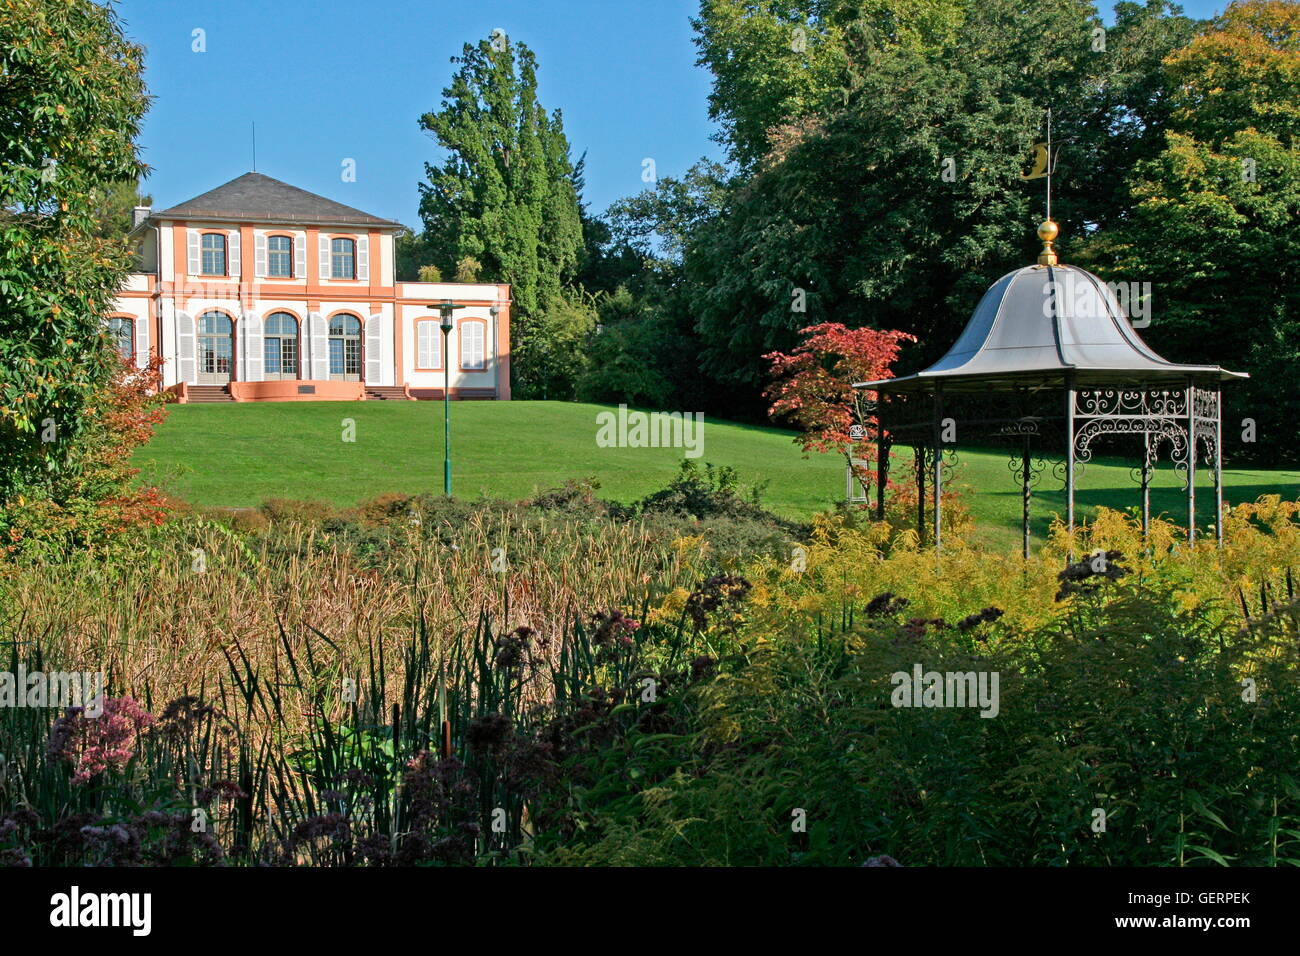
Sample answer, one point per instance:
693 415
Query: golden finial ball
1048 231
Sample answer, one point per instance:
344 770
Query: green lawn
237 455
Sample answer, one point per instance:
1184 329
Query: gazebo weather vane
1043 330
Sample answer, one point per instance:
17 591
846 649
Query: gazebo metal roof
1043 325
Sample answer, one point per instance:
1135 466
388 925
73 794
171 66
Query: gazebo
1049 350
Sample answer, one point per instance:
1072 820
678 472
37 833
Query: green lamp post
445 309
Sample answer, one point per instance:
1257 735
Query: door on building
216 348
280 347
345 348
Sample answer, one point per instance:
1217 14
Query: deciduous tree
71 103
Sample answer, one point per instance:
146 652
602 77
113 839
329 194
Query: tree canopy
505 198
876 151
71 103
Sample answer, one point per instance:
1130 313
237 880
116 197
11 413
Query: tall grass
504 688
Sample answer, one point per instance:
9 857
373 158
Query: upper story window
279 257
214 254
343 259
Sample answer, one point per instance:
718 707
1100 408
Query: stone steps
209 393
386 393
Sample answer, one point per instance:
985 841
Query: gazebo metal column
937 483
919 451
1218 464
1146 482
882 456
1069 459
1191 463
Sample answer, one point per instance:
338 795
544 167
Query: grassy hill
237 455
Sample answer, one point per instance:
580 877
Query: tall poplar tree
505 197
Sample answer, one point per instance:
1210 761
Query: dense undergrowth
684 682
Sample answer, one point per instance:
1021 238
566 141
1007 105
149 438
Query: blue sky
327 81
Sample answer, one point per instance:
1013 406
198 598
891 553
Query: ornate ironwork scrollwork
948 464
1141 403
1157 430
1021 426
1205 404
1016 465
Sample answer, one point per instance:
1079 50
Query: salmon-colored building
260 291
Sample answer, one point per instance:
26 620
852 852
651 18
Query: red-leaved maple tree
812 387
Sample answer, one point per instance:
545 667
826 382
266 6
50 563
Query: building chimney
139 214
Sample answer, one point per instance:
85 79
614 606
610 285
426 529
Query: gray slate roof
257 198
1044 325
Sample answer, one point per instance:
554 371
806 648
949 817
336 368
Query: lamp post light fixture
445 309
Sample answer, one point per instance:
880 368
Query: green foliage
505 198
839 119
850 206
629 356
776 62
559 347
117 203
411 257
1123 703
467 269
700 711
71 102
1213 218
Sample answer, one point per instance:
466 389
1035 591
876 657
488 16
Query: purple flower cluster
95 745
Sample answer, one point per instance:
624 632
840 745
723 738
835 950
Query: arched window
345 348
214 254
343 259
279 257
280 347
122 331
216 348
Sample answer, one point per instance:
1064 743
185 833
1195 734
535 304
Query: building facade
260 291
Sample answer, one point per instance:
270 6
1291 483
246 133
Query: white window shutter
192 237
232 252
424 345
374 350
300 256
320 347
471 345
142 342
363 257
388 355
259 255
185 347
325 258
252 329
